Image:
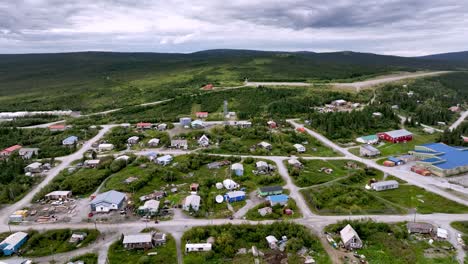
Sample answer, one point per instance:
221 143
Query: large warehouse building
442 160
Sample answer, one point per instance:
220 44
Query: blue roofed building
441 159
13 242
235 196
69 141
281 199
397 161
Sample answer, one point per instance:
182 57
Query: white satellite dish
219 186
219 199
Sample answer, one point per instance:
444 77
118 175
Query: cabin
91 164
191 201
420 228
350 238
384 185
396 136
13 242
105 147
28 153
35 167
368 151
204 141
164 160
270 190
300 148
153 142
179 144
234 196
295 163
133 140
237 169
108 201
265 145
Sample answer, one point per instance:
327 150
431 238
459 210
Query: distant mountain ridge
461 56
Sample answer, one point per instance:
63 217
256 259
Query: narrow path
463 116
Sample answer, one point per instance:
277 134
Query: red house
396 136
208 87
8 151
201 114
57 128
142 125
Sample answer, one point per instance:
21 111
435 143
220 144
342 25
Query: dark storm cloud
410 27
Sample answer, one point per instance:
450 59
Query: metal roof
278 198
112 197
14 239
399 133
384 183
137 238
237 166
446 157
235 194
58 193
370 148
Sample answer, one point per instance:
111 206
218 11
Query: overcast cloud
399 27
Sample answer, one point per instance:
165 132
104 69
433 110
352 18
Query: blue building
13 242
397 161
71 140
281 199
441 159
234 196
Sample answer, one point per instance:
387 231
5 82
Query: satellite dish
219 186
219 199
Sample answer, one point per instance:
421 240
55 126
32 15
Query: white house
105 147
164 160
192 201
384 185
350 238
230 184
197 247
265 145
133 140
123 157
300 148
272 241
179 143
153 142
35 167
204 141
108 201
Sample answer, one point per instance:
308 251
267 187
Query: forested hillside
93 81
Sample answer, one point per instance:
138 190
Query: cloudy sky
398 27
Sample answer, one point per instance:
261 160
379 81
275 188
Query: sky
396 27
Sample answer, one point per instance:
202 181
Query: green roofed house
270 190
371 139
441 159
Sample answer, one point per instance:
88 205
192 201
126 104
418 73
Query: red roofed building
396 136
142 125
300 129
201 114
208 87
8 151
57 128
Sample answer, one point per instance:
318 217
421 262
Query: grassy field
165 254
99 81
90 258
348 196
55 241
189 169
391 244
310 174
230 238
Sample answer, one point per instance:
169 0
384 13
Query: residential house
150 207
194 187
159 239
162 127
234 196
191 201
265 211
151 156
58 195
105 147
230 184
295 163
237 169
420 228
442 234
133 140
185 121
197 124
384 185
143 125
138 241
396 136
201 114
199 247
57 128
272 242
368 151
350 238
13 242
108 201
154 142
272 124
300 148
158 195
91 163
70 141
35 167
28 153
204 141
270 190
164 160
77 237
243 124
179 143
265 145
10 150
281 199
262 167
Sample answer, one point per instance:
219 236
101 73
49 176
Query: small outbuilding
350 238
368 151
384 185
237 169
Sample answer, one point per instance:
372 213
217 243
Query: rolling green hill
93 81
